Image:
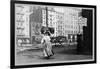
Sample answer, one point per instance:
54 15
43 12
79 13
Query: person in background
47 46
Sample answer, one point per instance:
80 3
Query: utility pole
46 18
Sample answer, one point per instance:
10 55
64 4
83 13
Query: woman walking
47 46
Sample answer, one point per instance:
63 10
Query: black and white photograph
50 34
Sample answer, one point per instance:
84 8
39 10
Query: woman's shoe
47 57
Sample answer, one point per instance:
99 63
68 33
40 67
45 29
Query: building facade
54 19
36 25
22 24
30 20
64 23
73 22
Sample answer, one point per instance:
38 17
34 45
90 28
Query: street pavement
61 53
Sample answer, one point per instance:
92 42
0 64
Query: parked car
58 39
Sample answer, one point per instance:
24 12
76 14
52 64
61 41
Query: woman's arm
43 40
50 33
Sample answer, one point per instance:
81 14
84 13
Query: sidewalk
28 47
39 46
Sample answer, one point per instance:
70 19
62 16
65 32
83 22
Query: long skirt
47 50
